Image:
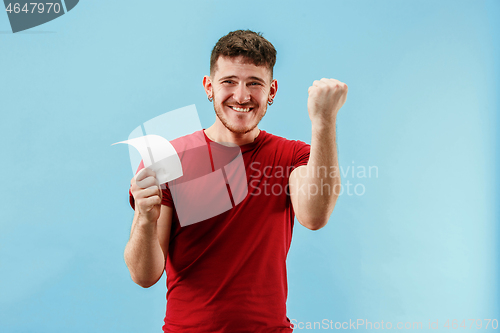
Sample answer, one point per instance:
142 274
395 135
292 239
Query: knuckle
140 184
153 201
152 187
147 182
145 173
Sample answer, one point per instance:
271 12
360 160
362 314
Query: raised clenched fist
147 194
326 97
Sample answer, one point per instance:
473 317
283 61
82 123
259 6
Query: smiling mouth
241 109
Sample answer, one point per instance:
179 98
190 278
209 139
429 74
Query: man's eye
255 84
227 81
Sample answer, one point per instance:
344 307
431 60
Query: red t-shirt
228 273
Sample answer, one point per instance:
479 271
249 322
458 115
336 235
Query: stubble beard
231 127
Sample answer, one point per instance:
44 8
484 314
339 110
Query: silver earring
210 99
271 102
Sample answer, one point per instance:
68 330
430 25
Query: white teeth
240 110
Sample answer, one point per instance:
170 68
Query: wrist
144 219
323 124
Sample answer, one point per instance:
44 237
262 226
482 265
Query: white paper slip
159 155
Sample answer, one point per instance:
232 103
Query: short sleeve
301 154
165 191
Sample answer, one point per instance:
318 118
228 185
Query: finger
143 173
147 182
150 201
143 194
340 86
150 191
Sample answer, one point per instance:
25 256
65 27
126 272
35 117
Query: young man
228 273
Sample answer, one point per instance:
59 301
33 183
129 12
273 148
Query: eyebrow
255 78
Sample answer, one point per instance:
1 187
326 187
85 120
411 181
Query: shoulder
190 141
282 141
195 136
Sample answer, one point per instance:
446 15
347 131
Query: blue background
421 243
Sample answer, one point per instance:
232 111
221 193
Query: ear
273 90
207 84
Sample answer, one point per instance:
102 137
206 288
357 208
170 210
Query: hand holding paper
147 195
159 155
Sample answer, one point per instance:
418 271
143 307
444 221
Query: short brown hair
249 44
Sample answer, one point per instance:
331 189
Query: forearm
323 160
322 179
143 254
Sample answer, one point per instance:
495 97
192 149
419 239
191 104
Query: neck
219 133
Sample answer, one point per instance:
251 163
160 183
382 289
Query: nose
242 94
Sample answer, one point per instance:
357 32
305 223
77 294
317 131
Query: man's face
241 91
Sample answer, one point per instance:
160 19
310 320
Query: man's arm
146 249
314 188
